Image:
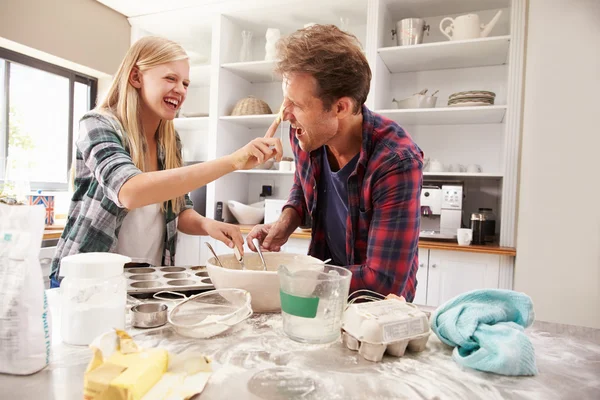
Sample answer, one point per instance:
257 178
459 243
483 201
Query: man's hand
226 233
270 236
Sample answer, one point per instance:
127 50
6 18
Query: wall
558 237
81 31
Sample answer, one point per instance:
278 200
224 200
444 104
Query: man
358 174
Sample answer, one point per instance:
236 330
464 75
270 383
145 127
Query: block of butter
127 374
121 370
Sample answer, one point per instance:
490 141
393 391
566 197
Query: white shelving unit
254 71
481 175
488 135
250 121
200 76
446 55
447 115
265 172
193 123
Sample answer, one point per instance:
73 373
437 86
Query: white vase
272 37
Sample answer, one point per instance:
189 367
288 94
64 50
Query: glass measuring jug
312 301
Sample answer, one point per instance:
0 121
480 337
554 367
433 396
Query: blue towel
486 328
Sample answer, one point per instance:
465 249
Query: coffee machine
441 211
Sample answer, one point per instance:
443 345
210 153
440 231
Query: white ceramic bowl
247 214
266 165
262 285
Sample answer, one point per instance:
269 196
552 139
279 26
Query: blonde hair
123 102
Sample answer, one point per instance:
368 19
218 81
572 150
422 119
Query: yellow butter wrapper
127 374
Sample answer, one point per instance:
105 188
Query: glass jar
93 296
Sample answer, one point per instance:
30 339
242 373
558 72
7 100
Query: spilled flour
256 360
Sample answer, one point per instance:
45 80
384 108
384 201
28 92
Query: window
40 108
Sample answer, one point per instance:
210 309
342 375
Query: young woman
130 189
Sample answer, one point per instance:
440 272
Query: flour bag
24 315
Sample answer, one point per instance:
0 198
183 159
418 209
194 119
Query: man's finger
256 232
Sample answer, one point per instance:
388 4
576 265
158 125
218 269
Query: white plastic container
391 326
93 296
273 208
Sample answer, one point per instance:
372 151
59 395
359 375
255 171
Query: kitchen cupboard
443 275
488 136
422 278
451 273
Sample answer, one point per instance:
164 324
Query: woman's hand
258 150
226 233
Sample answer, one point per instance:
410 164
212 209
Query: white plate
470 104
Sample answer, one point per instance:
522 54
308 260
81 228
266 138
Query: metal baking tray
174 279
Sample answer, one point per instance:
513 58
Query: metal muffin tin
175 279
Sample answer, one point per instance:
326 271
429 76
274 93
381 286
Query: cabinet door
188 250
422 278
452 273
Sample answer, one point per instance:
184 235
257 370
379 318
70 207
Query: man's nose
287 112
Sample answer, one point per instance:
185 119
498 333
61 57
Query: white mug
464 236
436 166
285 165
474 169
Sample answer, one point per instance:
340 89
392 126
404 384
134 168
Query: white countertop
255 360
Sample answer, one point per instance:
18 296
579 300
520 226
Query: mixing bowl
262 285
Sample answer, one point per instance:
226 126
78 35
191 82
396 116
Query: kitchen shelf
254 71
265 172
445 55
192 123
446 115
200 75
251 121
464 175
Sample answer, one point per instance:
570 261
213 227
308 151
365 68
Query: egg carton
178 279
388 326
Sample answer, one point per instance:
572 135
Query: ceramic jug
467 27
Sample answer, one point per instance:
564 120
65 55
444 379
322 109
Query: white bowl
266 165
247 214
262 285
416 101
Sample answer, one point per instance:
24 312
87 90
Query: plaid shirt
384 191
102 166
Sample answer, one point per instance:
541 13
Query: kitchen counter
255 360
54 232
427 244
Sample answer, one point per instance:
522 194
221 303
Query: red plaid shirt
384 210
